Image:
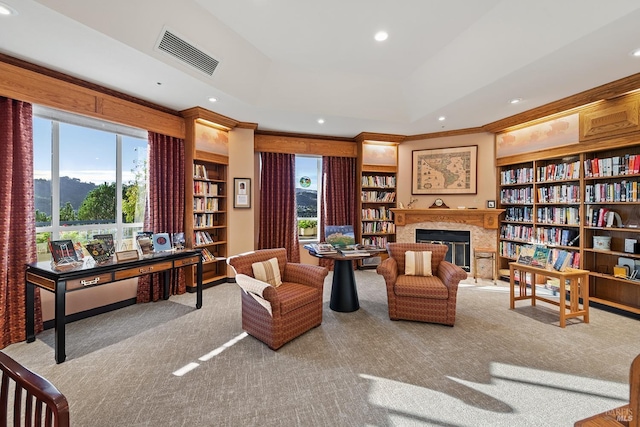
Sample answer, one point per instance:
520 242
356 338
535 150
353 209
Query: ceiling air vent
187 53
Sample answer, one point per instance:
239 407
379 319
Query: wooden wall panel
36 88
610 118
305 145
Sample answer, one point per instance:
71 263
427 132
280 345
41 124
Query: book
178 240
99 251
339 235
353 251
145 242
63 251
540 257
161 242
562 260
525 256
321 248
107 240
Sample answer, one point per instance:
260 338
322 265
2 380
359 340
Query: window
90 177
308 173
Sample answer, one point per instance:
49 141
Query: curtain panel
17 217
165 206
339 195
278 213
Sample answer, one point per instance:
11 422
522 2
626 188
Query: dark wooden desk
42 275
344 295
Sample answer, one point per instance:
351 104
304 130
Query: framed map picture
445 170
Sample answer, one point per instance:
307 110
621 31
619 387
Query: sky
307 167
86 154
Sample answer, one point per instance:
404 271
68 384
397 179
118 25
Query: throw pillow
267 271
417 263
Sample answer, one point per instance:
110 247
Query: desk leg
563 300
344 295
166 283
583 291
198 284
59 321
30 299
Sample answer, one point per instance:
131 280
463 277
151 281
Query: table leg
30 299
512 288
563 302
198 284
59 321
344 295
583 287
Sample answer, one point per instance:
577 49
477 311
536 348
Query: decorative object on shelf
412 200
491 204
445 170
241 192
602 243
438 204
631 246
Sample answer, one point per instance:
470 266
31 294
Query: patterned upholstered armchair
276 315
422 295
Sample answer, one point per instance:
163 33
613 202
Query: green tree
133 194
42 216
100 203
67 213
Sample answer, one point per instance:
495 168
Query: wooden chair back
29 399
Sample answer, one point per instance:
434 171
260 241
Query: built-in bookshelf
378 196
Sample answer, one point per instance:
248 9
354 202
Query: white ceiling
286 63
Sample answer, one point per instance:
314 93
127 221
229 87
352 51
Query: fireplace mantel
486 218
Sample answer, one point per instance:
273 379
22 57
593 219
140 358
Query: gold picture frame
451 170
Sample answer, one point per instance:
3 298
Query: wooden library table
89 274
577 280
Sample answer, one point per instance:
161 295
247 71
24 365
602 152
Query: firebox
459 243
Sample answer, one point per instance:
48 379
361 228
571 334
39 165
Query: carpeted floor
496 367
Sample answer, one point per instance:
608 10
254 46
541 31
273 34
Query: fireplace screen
459 243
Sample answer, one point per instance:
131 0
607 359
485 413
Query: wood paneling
610 118
304 145
37 88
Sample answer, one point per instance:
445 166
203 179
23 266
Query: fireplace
459 243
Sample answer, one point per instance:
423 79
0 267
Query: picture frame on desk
242 193
428 165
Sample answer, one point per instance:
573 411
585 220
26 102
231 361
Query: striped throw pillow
267 271
417 263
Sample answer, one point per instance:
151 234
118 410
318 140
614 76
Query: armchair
421 298
277 315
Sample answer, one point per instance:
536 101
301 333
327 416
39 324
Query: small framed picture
241 192
491 204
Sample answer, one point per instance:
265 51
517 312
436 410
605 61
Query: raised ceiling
283 64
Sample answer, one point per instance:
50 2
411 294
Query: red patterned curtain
278 216
17 218
339 194
165 206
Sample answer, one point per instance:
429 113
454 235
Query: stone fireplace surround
481 223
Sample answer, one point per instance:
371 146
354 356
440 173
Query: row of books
519 213
202 238
516 176
321 248
600 217
378 227
379 196
207 255
623 191
205 204
516 195
205 219
556 236
201 172
516 232
201 188
629 164
379 181
381 213
558 215
375 241
558 171
565 193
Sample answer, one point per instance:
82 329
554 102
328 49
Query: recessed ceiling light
212 99
442 118
515 101
635 53
381 36
6 10
321 121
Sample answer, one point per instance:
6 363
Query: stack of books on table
353 251
321 248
